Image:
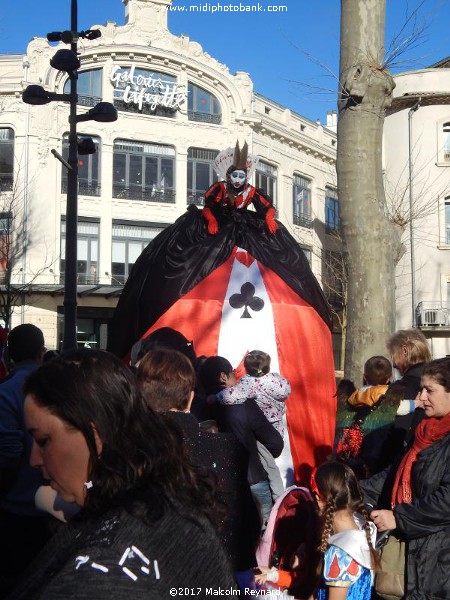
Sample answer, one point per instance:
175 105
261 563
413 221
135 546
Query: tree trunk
371 241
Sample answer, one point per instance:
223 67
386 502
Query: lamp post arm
57 155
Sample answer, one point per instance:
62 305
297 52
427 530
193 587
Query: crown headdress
237 158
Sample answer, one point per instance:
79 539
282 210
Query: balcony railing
197 199
432 314
164 196
204 117
84 188
6 183
88 100
82 278
159 111
303 221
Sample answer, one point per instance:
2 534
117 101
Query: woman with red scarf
421 492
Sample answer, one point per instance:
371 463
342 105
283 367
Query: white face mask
238 178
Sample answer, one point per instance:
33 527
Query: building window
148 96
89 87
203 106
143 171
6 159
266 180
128 241
88 169
301 197
447 220
87 251
331 211
200 174
446 141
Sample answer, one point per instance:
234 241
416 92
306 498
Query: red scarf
428 431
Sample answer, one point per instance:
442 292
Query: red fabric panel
306 359
304 352
198 314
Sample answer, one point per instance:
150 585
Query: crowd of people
158 478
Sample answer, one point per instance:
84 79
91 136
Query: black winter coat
425 523
222 454
249 424
119 557
401 434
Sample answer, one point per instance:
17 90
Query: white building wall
430 185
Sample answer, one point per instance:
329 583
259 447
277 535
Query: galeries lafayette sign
140 88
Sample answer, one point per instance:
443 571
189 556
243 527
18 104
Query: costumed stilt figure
234 280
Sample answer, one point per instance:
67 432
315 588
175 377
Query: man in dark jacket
249 424
22 527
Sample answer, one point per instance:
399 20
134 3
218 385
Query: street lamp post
70 276
67 60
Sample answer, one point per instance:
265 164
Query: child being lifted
270 392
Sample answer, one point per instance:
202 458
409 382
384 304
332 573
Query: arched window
89 87
6 158
203 106
146 92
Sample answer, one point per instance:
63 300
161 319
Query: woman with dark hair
143 527
421 493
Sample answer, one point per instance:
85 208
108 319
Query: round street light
102 112
65 60
35 94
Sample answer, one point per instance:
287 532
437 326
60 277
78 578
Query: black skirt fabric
184 254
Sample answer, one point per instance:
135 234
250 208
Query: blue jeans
263 498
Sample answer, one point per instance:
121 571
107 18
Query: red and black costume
183 280
219 195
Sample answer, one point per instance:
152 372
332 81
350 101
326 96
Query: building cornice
412 98
281 134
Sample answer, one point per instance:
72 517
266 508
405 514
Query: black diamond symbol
248 299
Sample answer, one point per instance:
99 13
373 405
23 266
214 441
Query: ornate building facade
177 108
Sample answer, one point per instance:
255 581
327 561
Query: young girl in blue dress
348 537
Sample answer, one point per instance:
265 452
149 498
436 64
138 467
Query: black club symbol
248 299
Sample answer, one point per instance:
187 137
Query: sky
292 55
